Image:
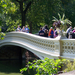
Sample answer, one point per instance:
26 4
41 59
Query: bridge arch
42 46
20 45
15 52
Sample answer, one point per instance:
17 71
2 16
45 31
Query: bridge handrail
45 47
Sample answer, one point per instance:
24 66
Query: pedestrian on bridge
41 32
18 28
45 33
23 29
74 30
46 27
73 35
68 31
26 29
51 33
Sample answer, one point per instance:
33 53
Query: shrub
44 67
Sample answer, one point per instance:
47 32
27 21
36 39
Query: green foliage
40 11
8 17
69 9
1 35
70 66
44 67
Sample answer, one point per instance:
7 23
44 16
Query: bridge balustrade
59 47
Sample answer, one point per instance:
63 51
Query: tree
1 35
23 6
69 9
35 12
8 19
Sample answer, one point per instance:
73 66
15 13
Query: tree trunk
23 19
23 11
30 25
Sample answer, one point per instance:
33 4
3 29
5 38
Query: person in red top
51 33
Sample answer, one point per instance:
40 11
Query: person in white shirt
68 31
18 28
23 29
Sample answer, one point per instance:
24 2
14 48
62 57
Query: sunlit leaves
46 66
70 66
1 34
7 15
39 13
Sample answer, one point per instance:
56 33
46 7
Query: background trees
34 13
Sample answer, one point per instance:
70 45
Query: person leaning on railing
26 29
68 31
23 29
41 32
51 33
73 35
18 28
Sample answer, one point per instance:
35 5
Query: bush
1 35
70 66
44 67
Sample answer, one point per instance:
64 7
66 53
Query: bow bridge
58 47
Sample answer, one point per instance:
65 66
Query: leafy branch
44 67
1 35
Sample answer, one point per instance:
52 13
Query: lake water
12 67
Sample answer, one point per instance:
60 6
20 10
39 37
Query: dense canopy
34 13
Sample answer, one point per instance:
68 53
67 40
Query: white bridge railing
42 46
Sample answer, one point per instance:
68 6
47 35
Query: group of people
70 32
46 32
52 33
24 29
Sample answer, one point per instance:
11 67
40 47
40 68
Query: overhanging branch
18 1
27 6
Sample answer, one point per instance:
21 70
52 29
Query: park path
68 73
